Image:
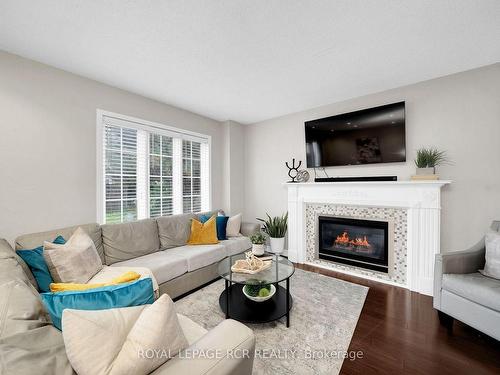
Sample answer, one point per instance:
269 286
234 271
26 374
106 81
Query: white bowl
261 299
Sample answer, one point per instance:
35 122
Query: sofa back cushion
174 230
12 266
129 240
38 351
28 342
33 240
21 309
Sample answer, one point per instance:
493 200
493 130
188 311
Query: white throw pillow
74 262
492 265
233 226
130 340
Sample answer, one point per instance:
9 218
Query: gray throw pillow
492 265
77 261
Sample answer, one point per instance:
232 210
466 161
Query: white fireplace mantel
421 199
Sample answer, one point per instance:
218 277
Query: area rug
322 321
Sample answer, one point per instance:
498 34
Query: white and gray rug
322 321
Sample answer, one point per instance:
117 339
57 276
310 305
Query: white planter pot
426 171
258 249
277 244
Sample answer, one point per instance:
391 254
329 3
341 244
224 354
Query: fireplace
356 242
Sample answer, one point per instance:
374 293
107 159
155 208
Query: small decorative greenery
430 157
254 288
275 227
258 239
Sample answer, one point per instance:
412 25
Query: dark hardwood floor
399 333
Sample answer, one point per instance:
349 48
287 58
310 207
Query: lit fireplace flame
345 240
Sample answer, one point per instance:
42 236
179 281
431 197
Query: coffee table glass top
280 270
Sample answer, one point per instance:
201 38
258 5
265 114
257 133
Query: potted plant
427 159
258 243
258 290
276 228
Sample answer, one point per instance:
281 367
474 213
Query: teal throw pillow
36 263
135 293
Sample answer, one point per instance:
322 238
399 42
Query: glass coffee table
236 306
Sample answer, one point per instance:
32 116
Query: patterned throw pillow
127 333
74 262
37 265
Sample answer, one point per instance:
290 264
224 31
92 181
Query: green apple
264 292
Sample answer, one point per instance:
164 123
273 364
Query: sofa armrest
226 349
247 229
467 261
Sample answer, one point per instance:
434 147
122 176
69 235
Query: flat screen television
368 136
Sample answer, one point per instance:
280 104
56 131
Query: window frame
150 127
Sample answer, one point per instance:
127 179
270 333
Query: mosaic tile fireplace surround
394 217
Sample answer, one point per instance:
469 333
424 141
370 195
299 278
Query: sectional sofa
30 344
158 244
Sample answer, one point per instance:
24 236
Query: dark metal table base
247 311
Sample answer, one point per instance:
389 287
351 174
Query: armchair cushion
474 287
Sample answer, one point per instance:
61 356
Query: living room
233 187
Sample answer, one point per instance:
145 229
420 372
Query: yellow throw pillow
203 233
64 287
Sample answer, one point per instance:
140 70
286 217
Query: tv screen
369 136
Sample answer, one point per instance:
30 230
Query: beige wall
48 155
459 113
48 138
233 161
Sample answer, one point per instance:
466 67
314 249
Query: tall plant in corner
275 228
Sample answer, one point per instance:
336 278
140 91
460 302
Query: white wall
459 113
47 143
233 167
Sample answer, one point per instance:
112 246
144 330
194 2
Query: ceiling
253 60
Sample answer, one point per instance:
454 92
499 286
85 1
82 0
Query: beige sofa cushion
127 332
12 266
29 344
199 256
74 262
21 308
174 230
39 351
164 266
228 337
235 245
192 331
129 240
30 241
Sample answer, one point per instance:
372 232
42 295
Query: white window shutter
147 171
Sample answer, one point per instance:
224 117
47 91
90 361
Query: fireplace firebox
356 242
